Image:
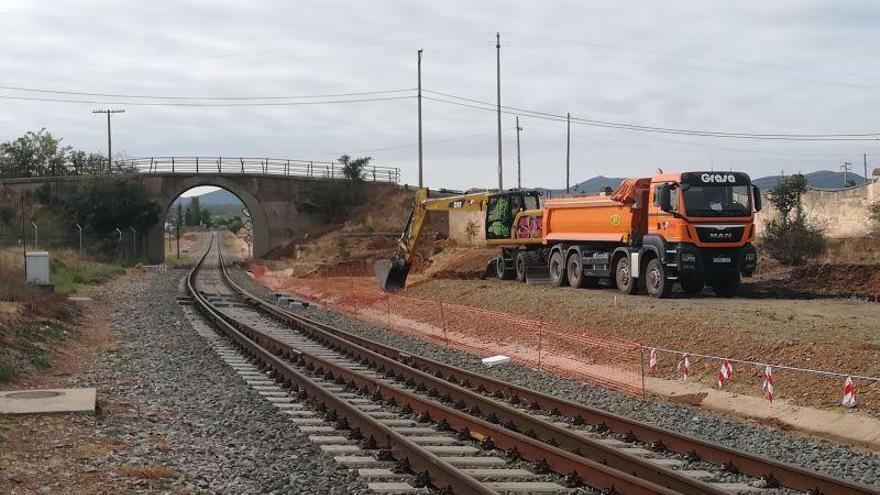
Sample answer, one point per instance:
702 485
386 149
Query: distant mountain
220 202
589 186
220 197
823 179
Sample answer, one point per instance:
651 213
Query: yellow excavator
512 221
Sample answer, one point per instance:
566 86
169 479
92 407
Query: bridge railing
259 166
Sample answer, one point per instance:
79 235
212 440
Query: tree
353 169
39 154
791 238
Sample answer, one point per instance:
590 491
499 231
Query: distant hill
823 179
220 202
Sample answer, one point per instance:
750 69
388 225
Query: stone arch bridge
284 197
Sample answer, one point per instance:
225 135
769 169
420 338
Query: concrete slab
61 400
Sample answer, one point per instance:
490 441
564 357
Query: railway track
409 423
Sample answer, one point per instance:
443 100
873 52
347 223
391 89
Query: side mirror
663 198
756 192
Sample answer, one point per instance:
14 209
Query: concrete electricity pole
420 118
846 167
498 81
568 153
518 158
108 111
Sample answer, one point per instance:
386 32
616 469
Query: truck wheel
501 270
655 280
521 265
692 286
623 277
575 271
557 269
726 288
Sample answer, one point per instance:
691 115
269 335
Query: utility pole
847 166
179 216
420 117
568 153
498 81
518 158
108 111
23 241
865 161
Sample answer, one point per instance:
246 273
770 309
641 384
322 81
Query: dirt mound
460 263
817 280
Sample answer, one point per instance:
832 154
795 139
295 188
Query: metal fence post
287 169
311 168
172 164
642 361
220 165
443 322
197 164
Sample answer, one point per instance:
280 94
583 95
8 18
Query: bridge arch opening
236 205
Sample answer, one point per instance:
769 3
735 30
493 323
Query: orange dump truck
692 229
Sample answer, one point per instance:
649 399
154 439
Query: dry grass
163 446
153 472
90 451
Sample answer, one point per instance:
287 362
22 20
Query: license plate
721 260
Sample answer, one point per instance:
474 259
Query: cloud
748 66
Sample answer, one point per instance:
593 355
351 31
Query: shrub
791 238
792 243
874 215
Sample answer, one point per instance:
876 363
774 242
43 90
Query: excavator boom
392 273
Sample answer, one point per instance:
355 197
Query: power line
180 104
483 105
210 98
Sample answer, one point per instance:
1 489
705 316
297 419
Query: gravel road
833 459
221 435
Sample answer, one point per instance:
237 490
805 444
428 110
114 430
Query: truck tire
692 285
575 271
726 288
655 280
623 277
501 270
521 265
557 269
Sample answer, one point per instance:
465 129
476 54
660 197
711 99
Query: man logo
718 178
615 219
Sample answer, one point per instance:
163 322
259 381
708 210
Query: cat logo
615 219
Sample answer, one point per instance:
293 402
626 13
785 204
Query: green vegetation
791 238
354 168
68 273
39 154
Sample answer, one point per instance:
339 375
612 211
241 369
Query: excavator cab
501 209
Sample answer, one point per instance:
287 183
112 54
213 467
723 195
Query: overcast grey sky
766 67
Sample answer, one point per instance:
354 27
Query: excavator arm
392 273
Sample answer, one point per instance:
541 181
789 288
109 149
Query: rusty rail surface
271 352
437 373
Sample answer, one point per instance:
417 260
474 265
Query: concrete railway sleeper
609 451
273 353
471 389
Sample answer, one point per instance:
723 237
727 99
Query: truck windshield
717 201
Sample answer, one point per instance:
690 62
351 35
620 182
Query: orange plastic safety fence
567 351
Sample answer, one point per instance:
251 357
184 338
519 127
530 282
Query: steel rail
596 474
785 474
441 472
561 448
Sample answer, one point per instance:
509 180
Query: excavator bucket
391 274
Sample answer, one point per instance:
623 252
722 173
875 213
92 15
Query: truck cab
700 231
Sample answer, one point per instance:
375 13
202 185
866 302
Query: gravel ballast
818 455
218 433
